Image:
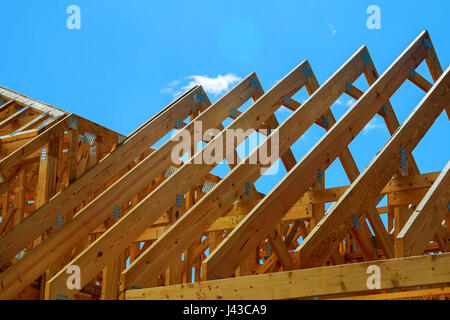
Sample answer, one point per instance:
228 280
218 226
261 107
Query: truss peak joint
254 83
366 58
199 97
307 71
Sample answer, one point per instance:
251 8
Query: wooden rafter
428 216
47 215
365 189
76 193
189 173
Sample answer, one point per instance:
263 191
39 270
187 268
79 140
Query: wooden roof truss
139 226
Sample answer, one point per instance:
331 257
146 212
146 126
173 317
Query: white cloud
166 91
333 30
214 86
339 102
373 124
343 102
350 102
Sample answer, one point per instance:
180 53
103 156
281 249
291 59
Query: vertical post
74 141
401 215
188 254
46 185
110 279
20 197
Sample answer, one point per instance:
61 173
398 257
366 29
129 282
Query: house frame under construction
83 203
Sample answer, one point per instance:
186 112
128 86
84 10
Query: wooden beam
392 124
442 238
7 212
396 184
70 197
20 197
31 123
129 184
406 197
22 100
227 196
9 164
110 279
280 249
309 283
255 226
164 196
419 81
363 192
94 128
72 166
217 200
45 217
46 186
271 208
435 67
7 105
428 216
15 115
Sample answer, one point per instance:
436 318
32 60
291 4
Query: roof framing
76 193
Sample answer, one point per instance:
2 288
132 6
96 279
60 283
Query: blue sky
131 57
